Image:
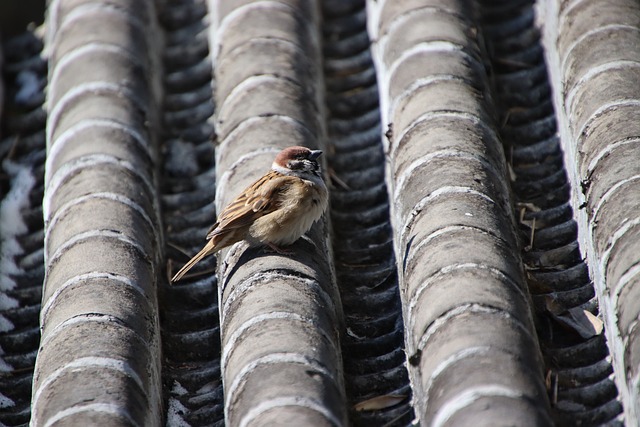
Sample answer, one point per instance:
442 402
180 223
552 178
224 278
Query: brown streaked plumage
275 210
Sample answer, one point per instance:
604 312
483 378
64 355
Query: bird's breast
300 206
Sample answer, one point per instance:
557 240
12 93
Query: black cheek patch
295 165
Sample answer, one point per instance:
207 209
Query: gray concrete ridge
478 264
463 308
99 355
280 316
594 51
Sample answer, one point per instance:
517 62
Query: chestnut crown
298 158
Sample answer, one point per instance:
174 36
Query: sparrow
275 210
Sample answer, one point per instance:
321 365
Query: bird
276 210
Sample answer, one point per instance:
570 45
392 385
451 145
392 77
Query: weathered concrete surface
577 360
468 325
473 354
594 55
99 358
280 316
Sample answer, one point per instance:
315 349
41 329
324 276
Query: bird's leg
274 248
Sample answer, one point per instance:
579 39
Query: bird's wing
259 199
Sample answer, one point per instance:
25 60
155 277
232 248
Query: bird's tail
208 249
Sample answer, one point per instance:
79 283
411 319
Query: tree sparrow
275 210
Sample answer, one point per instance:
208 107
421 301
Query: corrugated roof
481 160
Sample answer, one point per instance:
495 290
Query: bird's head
297 161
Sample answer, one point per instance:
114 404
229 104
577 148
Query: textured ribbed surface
99 358
461 280
595 61
280 316
189 311
582 389
373 344
21 226
421 213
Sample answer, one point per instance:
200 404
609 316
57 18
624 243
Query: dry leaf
581 321
524 206
512 173
595 321
552 257
379 402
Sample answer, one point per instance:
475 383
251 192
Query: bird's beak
314 154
